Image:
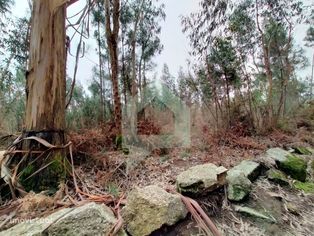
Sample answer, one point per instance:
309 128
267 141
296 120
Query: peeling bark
46 87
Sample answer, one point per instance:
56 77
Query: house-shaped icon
161 109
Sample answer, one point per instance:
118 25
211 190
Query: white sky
176 45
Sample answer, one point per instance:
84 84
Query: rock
302 150
278 154
239 186
90 219
295 167
35 227
289 163
251 169
151 207
201 179
254 213
277 177
266 161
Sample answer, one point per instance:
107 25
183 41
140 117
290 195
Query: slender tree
112 14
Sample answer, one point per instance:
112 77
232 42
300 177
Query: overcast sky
176 46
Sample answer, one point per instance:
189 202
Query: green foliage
302 151
307 187
82 113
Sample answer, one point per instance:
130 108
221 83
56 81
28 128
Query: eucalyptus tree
310 43
285 14
98 21
251 28
46 90
112 29
140 20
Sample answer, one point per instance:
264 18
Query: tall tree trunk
312 79
101 81
269 74
46 90
134 90
112 41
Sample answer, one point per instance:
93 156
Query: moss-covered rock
307 187
302 150
277 177
239 186
292 165
295 167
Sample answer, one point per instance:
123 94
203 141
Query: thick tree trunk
45 106
46 89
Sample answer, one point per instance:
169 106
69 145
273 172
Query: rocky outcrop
250 169
151 207
201 179
292 165
239 186
90 219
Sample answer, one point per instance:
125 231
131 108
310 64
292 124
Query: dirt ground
102 170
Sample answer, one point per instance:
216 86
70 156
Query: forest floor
116 172
103 170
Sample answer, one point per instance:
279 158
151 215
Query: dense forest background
242 75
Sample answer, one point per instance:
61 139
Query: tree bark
46 85
112 41
46 96
101 81
269 74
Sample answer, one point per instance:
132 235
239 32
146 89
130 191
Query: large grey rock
290 164
90 219
151 207
250 169
201 179
278 154
239 186
254 213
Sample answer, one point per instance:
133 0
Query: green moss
237 192
295 167
302 151
57 169
277 177
307 187
119 141
26 172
